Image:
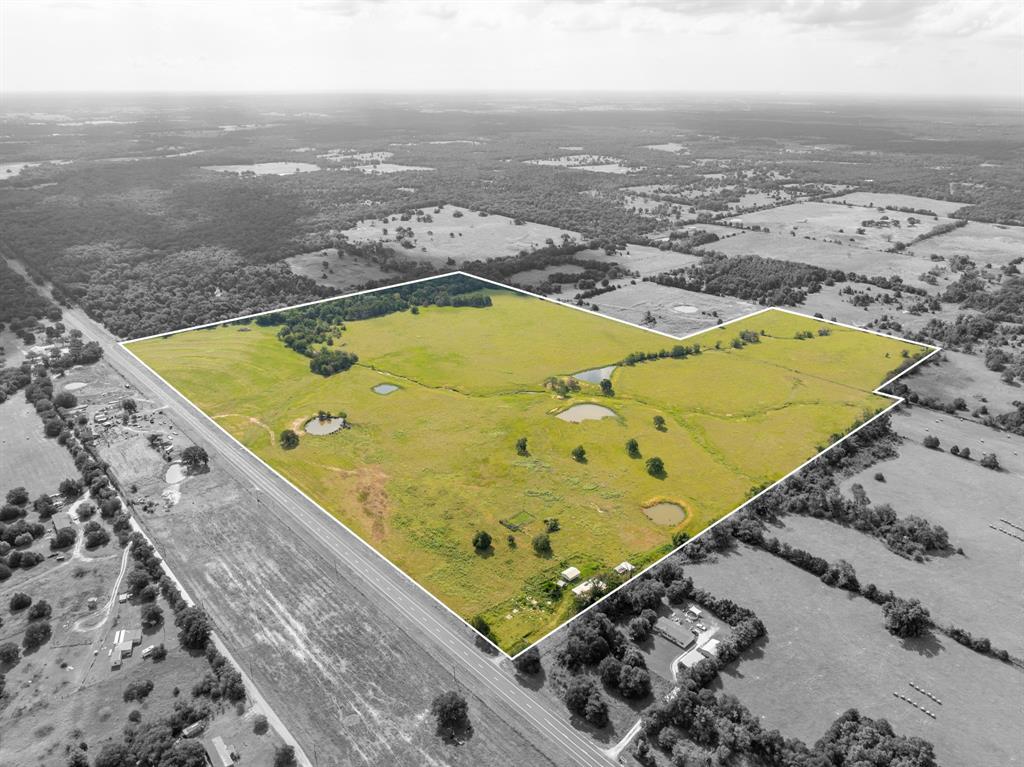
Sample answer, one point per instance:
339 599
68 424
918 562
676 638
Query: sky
923 48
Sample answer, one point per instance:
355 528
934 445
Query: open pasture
983 243
423 469
27 457
965 498
890 200
843 224
675 310
827 651
830 255
458 233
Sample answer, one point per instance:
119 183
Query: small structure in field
570 574
624 568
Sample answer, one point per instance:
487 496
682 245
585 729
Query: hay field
425 467
464 237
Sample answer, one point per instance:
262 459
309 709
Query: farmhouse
218 753
709 648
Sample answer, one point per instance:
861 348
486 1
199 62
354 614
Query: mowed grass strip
425 467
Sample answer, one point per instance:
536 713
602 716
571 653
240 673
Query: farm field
645 260
983 243
839 224
27 458
830 255
827 651
965 498
886 199
956 374
425 467
460 234
675 310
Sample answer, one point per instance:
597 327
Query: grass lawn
425 467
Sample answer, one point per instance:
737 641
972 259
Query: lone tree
659 423
542 544
195 457
284 756
521 446
129 405
905 617
528 661
606 388
931 442
289 439
579 454
633 448
482 540
451 711
655 466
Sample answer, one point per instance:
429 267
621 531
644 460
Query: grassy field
467 236
422 469
27 458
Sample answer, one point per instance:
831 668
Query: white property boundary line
877 390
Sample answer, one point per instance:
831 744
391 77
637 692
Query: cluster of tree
306 327
154 743
327 362
37 632
677 352
814 492
721 724
765 281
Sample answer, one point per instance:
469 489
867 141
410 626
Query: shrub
542 544
655 466
260 724
9 653
37 634
579 454
19 601
905 617
482 540
931 442
138 690
528 661
989 461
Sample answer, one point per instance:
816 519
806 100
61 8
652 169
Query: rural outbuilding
570 574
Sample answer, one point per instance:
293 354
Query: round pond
586 412
320 427
665 513
385 388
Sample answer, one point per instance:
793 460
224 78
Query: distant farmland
421 469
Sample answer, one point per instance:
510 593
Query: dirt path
91 623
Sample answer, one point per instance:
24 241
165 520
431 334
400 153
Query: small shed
570 574
624 568
194 729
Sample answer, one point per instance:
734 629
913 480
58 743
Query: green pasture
425 467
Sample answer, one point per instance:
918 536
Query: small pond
319 427
665 513
586 412
385 388
685 309
594 376
74 386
